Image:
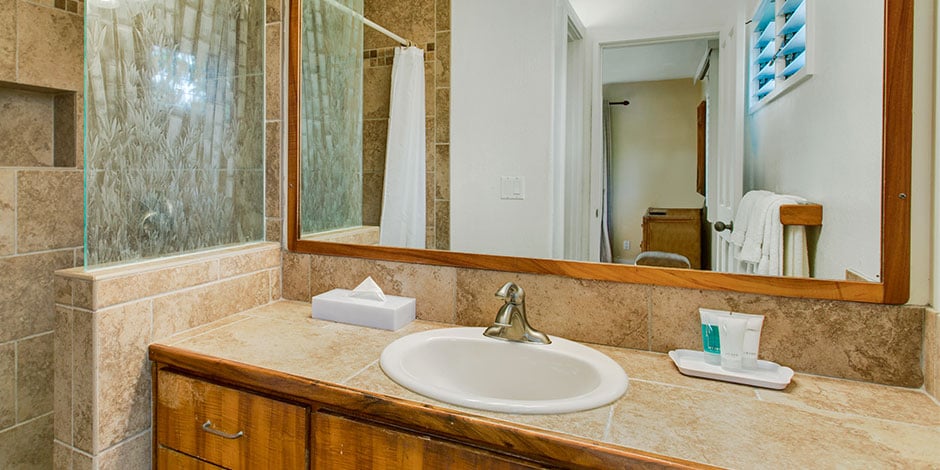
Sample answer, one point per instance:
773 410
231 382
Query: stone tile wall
874 343
104 320
273 117
427 23
40 211
932 353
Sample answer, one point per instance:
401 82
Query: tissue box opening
337 305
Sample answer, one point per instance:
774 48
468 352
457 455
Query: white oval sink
463 367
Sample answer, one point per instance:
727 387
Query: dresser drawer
229 427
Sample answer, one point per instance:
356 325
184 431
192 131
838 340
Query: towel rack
801 214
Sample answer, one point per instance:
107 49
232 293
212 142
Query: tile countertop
815 422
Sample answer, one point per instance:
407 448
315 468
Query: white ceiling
663 61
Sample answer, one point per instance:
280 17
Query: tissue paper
367 306
368 290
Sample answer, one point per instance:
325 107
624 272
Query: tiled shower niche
37 127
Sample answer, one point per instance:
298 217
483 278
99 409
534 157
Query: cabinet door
228 427
346 444
168 459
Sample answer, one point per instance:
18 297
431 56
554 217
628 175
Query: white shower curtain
403 201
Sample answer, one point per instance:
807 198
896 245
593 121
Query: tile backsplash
875 343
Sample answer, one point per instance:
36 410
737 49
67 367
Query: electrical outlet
626 244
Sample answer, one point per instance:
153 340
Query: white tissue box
391 314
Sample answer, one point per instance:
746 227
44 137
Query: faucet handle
511 293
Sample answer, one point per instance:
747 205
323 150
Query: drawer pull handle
207 427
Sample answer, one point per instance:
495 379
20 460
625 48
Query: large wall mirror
641 141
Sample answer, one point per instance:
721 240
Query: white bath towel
772 248
795 251
757 226
743 216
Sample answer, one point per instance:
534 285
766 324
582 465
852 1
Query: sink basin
463 367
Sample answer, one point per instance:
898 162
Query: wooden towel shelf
801 214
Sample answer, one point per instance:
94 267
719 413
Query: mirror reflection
600 130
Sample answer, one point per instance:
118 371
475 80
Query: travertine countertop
816 422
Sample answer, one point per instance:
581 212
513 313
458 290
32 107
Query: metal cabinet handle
721 226
207 427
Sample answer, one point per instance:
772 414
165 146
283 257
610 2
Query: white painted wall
503 74
837 164
654 158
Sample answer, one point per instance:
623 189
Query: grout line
28 421
211 330
347 379
121 442
16 206
40 252
16 383
28 337
610 422
71 322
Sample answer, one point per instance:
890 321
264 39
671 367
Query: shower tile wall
426 22
40 210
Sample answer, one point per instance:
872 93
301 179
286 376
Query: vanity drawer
168 459
228 427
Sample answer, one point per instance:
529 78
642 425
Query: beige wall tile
34 376
8 41
84 369
273 72
412 19
49 47
443 59
442 15
82 462
123 372
272 173
61 456
273 13
372 198
594 312
932 353
274 280
27 299
877 343
133 454
376 92
181 311
26 128
443 116
7 385
442 225
272 230
134 286
374 141
442 172
295 279
252 261
49 210
64 131
7 212
62 375
27 446
432 286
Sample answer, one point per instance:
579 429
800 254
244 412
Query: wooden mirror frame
895 202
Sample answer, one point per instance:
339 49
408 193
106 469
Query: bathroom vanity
274 388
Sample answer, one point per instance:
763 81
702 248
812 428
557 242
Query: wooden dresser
674 231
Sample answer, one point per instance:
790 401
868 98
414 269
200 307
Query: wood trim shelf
801 214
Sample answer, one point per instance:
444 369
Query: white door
726 171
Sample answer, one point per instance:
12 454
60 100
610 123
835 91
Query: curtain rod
371 24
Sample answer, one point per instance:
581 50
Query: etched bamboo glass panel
174 115
331 116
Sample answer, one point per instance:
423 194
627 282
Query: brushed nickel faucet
510 323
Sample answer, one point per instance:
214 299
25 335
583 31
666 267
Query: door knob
721 226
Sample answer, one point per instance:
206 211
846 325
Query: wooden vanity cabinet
251 431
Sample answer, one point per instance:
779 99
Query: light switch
512 187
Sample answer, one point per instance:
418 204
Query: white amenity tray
767 375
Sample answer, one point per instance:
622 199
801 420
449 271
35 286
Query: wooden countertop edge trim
525 441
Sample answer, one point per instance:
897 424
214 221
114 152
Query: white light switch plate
512 187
